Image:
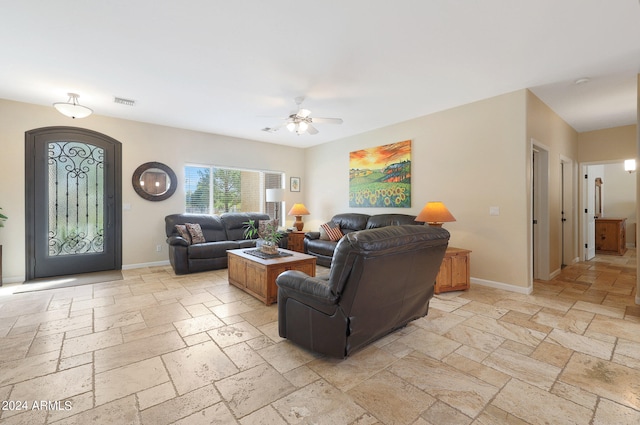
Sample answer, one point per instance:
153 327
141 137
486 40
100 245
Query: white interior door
590 211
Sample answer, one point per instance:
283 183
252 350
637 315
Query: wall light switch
494 210
126 207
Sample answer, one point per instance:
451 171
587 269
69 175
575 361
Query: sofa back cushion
235 223
351 222
383 220
211 225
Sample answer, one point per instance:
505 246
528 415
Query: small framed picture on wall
295 184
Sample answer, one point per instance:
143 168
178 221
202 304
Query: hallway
609 280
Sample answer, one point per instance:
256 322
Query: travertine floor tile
536 406
391 399
253 389
116 383
196 366
180 407
525 368
319 403
450 385
608 379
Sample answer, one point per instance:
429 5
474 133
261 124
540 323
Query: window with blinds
217 190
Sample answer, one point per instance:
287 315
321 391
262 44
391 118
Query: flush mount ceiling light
72 108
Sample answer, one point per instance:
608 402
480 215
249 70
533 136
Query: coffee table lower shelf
257 276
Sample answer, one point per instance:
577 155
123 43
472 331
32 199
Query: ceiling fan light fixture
291 127
71 108
302 127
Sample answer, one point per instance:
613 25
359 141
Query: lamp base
435 224
298 224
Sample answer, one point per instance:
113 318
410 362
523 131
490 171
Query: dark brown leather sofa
380 280
221 233
351 222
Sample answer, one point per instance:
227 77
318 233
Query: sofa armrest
177 241
312 235
301 286
284 239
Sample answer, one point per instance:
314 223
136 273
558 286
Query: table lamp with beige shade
435 214
298 210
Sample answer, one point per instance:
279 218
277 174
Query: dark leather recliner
380 280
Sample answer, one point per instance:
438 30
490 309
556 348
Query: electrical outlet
158 248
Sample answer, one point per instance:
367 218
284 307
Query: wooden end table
295 241
257 276
454 271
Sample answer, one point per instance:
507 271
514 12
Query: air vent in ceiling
124 101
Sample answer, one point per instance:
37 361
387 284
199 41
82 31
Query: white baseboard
13 279
554 274
504 286
141 265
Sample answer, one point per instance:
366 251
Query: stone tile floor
158 349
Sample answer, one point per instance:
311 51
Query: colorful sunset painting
381 176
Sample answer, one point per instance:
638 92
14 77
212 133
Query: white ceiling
224 66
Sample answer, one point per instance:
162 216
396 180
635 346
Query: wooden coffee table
257 276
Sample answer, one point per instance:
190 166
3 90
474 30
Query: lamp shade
435 213
275 195
298 209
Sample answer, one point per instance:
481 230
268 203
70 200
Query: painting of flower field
381 176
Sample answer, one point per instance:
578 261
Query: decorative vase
269 248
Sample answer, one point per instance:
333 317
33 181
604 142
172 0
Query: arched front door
73 201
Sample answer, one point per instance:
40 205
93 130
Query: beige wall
471 157
609 144
560 140
143 224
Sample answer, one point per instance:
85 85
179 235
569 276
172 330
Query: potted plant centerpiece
269 236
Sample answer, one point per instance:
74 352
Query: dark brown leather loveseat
221 233
351 222
380 280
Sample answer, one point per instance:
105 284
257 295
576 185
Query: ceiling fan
301 121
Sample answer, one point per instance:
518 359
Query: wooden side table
295 241
454 274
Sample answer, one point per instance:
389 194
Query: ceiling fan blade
326 120
304 113
311 129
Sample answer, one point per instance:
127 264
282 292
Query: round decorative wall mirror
154 181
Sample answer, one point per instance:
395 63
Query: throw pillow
183 232
262 225
196 233
323 234
333 231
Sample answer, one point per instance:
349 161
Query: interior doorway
608 191
569 220
540 211
73 202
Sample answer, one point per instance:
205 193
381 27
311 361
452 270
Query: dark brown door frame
114 207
